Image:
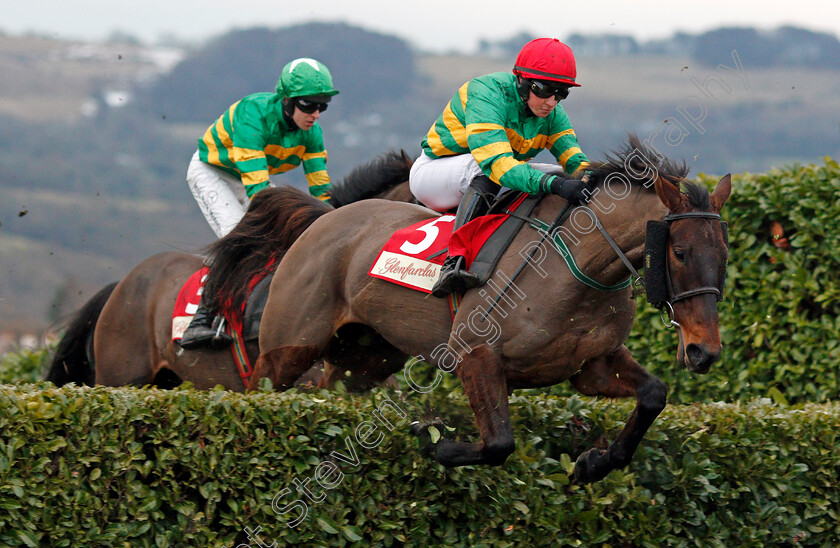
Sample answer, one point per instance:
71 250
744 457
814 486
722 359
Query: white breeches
439 184
220 195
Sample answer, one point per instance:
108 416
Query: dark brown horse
545 328
122 336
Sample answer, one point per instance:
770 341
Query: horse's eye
680 255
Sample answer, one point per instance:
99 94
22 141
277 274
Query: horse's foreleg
283 366
330 376
618 376
486 387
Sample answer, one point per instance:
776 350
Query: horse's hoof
417 428
420 428
428 439
591 466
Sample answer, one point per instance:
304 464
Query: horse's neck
624 220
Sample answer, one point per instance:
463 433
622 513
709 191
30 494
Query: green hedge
108 467
24 366
135 467
780 321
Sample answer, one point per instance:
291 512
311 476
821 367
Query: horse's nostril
695 353
699 357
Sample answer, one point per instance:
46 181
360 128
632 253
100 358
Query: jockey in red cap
487 135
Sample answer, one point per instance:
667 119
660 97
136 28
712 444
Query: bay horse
545 328
122 335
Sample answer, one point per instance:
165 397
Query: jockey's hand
572 190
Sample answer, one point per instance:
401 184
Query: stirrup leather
454 278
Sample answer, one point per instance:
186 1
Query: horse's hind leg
361 358
618 376
486 387
284 365
123 342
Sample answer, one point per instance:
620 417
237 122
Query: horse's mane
369 180
276 217
637 161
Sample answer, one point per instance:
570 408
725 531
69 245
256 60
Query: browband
691 215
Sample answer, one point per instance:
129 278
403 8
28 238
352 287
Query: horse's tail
370 180
73 361
276 217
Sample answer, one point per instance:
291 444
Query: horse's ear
669 194
721 193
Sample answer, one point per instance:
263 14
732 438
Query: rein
637 280
579 275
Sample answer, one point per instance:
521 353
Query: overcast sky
431 25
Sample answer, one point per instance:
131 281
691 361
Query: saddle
501 224
412 255
243 329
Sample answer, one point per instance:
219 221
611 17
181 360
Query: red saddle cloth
187 303
470 238
413 255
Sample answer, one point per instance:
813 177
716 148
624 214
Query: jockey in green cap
260 135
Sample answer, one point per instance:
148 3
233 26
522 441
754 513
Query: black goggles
544 90
309 107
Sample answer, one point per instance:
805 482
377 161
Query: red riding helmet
547 59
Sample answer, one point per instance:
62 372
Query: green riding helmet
305 77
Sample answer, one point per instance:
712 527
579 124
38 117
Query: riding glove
572 190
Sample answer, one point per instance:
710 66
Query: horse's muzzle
699 358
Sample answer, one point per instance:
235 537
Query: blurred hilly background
95 138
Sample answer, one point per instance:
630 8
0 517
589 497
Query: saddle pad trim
454 300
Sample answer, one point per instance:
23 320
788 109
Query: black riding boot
205 331
454 278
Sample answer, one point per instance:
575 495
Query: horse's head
696 256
